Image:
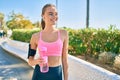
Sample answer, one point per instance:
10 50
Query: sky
71 13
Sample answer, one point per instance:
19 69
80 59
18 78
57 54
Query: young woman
56 42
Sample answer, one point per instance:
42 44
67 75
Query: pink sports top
50 48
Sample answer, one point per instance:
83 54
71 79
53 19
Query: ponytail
42 24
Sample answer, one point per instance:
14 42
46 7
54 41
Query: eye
51 14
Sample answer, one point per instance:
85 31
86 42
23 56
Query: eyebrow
52 12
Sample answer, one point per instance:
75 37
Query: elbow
65 64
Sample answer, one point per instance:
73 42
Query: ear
43 17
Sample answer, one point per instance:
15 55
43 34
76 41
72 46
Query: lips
53 20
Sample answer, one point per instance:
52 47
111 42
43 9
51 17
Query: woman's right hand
39 61
33 62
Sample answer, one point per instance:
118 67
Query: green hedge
83 41
23 34
93 41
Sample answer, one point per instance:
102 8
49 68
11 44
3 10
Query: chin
54 23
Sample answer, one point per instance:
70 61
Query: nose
55 17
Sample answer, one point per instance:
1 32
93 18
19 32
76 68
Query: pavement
78 68
12 67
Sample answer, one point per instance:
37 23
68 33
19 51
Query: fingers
40 61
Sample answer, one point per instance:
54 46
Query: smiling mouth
52 20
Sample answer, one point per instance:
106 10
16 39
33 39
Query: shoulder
63 32
35 37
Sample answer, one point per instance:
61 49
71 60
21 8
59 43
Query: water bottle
44 66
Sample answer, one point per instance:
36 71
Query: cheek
56 18
47 18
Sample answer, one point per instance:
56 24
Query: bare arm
31 60
65 56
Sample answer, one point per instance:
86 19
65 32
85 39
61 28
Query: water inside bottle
44 67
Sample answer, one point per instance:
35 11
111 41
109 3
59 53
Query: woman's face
50 16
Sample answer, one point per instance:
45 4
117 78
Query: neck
50 28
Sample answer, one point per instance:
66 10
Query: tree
37 24
1 19
18 21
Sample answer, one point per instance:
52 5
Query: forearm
65 71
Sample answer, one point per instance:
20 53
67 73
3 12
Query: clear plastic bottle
44 66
